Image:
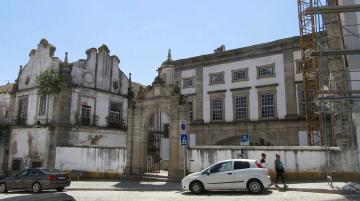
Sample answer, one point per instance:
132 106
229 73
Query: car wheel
60 189
196 187
255 186
3 188
36 187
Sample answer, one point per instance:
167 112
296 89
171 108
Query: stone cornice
264 49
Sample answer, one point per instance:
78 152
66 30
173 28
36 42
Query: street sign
183 127
184 139
244 139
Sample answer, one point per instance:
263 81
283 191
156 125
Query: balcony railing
116 123
86 120
20 120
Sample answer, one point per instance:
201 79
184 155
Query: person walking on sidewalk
263 160
280 170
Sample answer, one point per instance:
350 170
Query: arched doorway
158 143
152 112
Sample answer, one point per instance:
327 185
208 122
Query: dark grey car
36 179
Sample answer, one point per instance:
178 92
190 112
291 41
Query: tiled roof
7 88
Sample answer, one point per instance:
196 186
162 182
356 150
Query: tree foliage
49 82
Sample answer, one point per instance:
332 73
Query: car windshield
51 170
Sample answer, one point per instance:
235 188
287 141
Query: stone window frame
40 111
298 67
187 85
244 92
217 95
20 99
222 81
267 90
258 76
246 70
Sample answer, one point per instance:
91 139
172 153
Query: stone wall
300 162
91 161
271 132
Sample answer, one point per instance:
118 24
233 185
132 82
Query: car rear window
51 170
241 165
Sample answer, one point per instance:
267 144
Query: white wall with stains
29 145
99 137
296 159
91 159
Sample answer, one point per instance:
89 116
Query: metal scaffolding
332 95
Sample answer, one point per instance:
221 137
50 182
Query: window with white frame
267 106
239 75
217 107
188 82
42 105
241 107
266 71
216 78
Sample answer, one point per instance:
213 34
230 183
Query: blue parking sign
184 139
244 139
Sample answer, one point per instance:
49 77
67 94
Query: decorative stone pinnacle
169 54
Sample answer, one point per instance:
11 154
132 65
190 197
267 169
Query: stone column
199 95
290 91
176 156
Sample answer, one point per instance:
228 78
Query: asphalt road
276 195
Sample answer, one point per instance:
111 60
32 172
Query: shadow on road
148 186
41 197
228 193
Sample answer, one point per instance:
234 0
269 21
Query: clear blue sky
139 32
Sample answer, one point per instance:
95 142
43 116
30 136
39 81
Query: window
16 163
36 164
239 75
299 66
35 173
216 78
221 167
217 109
85 115
241 165
114 119
267 106
23 173
42 105
266 71
166 130
23 103
241 107
188 83
190 104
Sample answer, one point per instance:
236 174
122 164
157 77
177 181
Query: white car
234 174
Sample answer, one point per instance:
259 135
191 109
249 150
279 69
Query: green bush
49 82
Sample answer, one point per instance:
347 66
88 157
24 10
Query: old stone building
93 125
254 90
83 127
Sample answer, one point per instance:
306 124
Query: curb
122 189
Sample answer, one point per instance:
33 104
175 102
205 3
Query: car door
241 174
18 182
220 176
33 175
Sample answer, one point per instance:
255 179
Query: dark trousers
281 175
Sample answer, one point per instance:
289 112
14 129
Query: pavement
319 187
